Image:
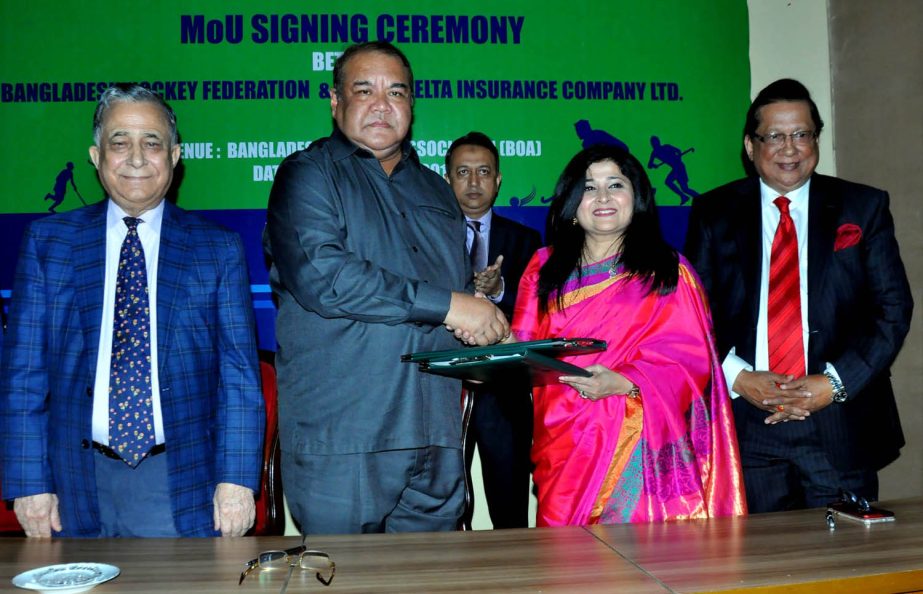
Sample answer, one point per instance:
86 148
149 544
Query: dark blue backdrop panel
250 223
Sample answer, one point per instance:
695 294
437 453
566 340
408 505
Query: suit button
90 391
85 444
414 248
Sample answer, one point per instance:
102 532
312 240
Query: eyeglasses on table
317 561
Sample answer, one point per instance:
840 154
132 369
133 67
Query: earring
573 221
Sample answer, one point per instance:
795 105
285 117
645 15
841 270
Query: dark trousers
796 474
412 490
134 502
501 428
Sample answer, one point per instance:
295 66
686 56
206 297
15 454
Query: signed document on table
541 358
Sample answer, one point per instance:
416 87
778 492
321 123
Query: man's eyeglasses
777 139
317 561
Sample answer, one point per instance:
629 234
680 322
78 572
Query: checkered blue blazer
208 369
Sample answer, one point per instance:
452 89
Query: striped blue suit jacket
208 369
859 310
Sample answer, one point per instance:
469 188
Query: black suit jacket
859 308
517 243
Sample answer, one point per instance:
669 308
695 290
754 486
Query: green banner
249 82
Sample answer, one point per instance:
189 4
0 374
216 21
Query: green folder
499 361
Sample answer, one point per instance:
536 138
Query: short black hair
784 89
472 138
354 50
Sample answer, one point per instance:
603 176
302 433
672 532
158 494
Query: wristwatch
839 392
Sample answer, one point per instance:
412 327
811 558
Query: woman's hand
603 383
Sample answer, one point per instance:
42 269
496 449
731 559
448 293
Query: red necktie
786 345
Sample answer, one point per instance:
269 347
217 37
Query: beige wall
876 52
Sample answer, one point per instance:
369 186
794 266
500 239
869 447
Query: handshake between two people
475 320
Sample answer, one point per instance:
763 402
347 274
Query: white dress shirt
149 233
798 208
484 232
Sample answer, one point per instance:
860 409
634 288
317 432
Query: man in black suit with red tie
811 305
501 419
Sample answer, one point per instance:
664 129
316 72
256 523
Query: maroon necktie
786 345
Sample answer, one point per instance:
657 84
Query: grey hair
131 93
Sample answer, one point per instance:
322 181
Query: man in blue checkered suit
58 465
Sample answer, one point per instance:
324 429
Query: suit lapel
748 223
89 258
497 240
171 269
823 214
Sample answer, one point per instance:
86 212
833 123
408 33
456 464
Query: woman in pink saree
650 436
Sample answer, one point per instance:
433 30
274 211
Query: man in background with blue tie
130 403
500 249
811 305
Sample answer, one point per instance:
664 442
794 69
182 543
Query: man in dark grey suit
501 417
369 263
851 304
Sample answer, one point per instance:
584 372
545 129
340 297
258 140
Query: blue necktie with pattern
131 416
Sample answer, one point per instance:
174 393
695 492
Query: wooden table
550 560
791 552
